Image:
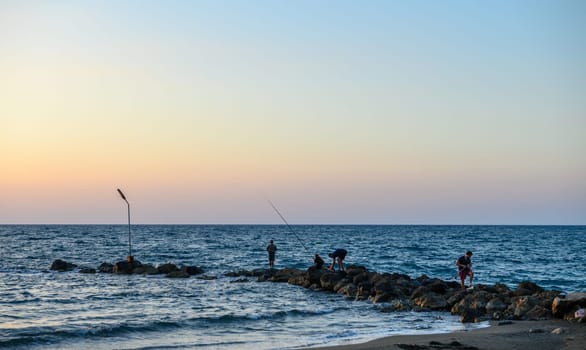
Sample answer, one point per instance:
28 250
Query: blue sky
339 111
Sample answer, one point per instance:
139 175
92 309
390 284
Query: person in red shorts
464 264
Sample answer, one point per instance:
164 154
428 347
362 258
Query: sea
43 309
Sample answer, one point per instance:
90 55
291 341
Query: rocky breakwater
128 268
399 292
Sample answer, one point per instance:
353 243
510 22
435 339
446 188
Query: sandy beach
518 335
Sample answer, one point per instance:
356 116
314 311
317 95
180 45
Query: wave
56 334
235 318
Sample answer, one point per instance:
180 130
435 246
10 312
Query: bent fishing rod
288 226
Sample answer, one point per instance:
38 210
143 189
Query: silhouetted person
272 250
464 264
339 254
318 261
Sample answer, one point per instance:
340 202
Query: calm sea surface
41 309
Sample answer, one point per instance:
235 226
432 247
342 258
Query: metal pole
129 239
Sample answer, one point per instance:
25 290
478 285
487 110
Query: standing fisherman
464 264
271 249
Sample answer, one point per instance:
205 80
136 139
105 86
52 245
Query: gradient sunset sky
364 112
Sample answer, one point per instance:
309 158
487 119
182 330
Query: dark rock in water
125 267
284 275
167 268
240 280
106 268
177 274
145 269
87 270
61 266
240 273
192 270
329 280
207 278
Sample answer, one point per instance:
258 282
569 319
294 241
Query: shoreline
519 335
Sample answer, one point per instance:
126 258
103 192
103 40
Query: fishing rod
288 226
129 257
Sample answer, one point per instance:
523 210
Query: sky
339 112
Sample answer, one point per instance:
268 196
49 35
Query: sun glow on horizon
203 111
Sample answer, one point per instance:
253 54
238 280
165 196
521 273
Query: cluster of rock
134 267
399 292
392 291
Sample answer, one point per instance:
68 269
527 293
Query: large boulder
566 307
125 267
284 275
313 275
167 268
522 305
61 265
177 274
495 305
432 301
329 280
192 270
527 288
106 268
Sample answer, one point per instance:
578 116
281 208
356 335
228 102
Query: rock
106 268
61 266
495 305
329 280
207 278
192 270
149 269
167 268
313 275
419 292
559 331
177 274
538 312
522 305
527 288
284 275
240 280
348 289
435 285
502 289
87 270
124 267
469 316
566 307
253 273
432 301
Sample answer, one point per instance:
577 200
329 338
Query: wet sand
517 335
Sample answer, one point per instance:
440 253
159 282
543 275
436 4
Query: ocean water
42 309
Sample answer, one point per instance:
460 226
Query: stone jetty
392 291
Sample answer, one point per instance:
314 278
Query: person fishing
464 264
272 250
318 262
339 254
